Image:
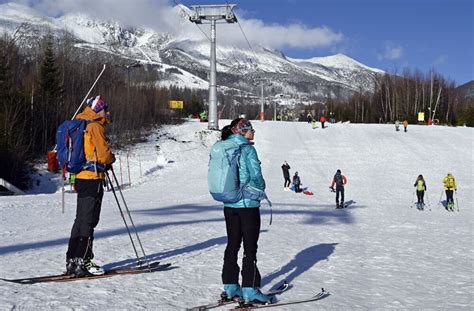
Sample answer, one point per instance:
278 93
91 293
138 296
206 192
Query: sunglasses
247 128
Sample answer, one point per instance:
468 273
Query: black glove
108 166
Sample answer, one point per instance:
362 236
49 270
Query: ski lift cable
246 39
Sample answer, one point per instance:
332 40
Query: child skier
420 185
297 182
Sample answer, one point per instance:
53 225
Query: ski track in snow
378 253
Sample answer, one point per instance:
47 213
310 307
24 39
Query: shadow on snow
318 214
302 262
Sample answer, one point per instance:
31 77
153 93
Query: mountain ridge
335 76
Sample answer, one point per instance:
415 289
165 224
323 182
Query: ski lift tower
213 13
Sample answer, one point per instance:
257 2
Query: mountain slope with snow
378 253
240 68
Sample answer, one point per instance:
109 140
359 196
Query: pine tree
51 92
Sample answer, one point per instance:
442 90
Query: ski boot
254 295
93 268
70 266
86 267
231 292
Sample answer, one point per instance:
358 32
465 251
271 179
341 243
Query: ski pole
87 95
440 197
457 204
131 220
428 201
413 199
123 216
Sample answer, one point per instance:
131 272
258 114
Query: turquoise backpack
223 174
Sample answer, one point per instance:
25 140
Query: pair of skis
152 267
241 305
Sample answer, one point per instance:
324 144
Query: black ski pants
449 196
287 181
89 202
242 224
297 188
339 191
420 195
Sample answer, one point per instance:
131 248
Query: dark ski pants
297 188
449 196
89 201
420 195
339 191
242 224
287 181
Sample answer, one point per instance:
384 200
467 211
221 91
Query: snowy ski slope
378 253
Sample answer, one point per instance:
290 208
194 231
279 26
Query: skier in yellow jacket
449 186
420 185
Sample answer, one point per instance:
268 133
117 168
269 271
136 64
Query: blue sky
392 35
386 34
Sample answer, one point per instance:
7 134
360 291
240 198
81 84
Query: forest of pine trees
42 86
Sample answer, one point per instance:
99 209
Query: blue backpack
223 174
70 147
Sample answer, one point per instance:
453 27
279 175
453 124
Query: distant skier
420 185
449 186
340 181
297 182
397 125
332 118
322 119
405 125
313 124
309 117
286 175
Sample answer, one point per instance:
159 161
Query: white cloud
160 15
390 51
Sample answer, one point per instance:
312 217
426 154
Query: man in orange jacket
89 187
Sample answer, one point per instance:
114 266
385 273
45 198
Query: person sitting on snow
297 182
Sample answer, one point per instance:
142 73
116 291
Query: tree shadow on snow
302 262
100 234
175 252
317 214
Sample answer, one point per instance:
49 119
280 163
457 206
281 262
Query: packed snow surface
378 253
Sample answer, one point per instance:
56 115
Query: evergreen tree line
42 85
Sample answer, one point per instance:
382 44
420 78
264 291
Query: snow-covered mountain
186 59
